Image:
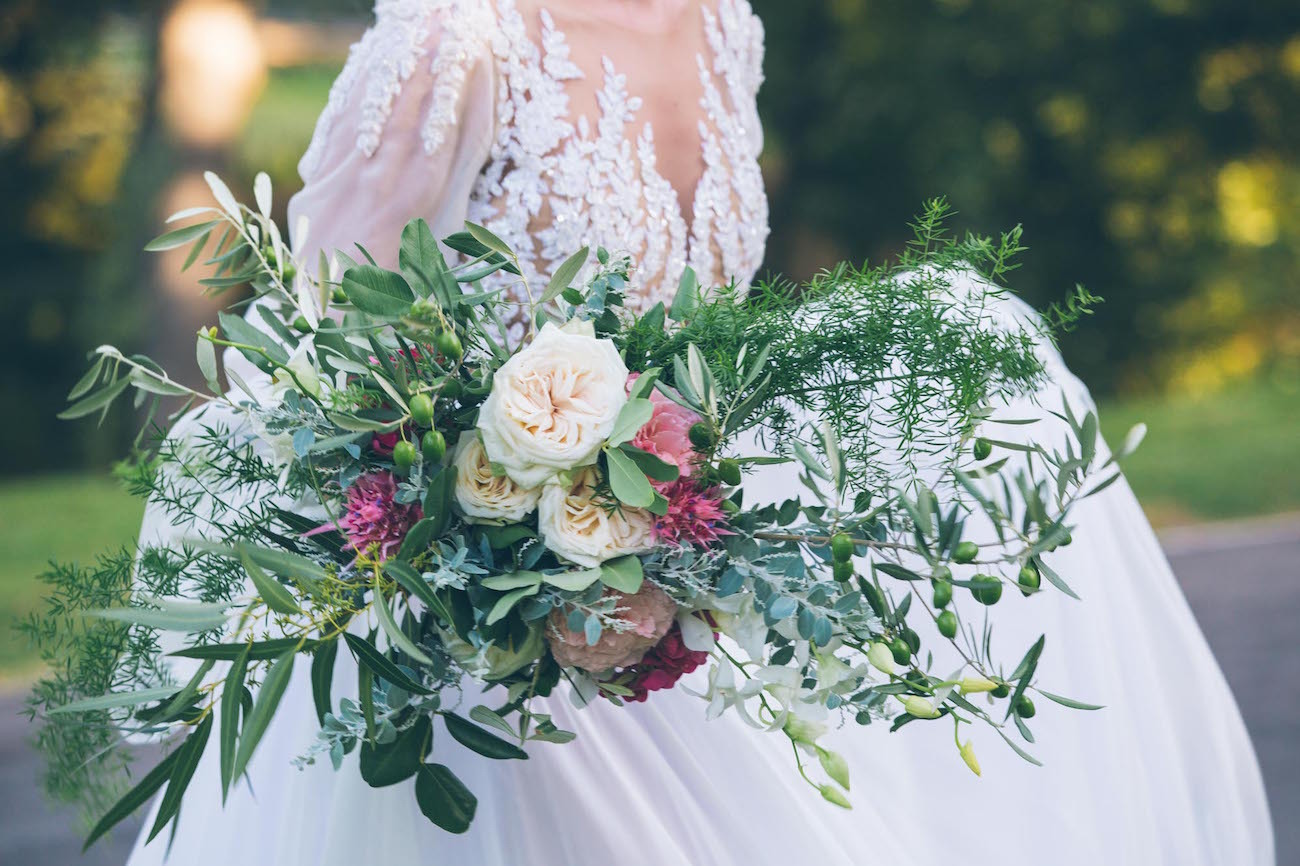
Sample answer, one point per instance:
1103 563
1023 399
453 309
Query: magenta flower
374 516
695 515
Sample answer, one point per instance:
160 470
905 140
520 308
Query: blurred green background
1147 146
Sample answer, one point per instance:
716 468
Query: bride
632 124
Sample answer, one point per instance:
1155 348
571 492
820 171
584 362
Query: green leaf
273 593
489 240
179 237
116 699
488 745
627 481
1024 673
1054 579
624 574
230 696
257 651
485 716
380 665
508 601
384 765
239 330
376 291
564 275
654 468
96 401
185 697
513 580
425 267
394 632
414 583
437 502
644 384
1070 702
574 581
207 360
687 297
187 762
264 707
444 799
322 678
170 615
87 381
283 563
135 798
631 418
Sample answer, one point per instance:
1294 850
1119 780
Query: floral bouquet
578 516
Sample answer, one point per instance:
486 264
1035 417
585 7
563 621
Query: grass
62 517
1230 455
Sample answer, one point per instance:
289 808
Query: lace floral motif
390 53
554 183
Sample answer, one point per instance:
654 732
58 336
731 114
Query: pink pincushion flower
375 517
666 663
650 611
694 516
667 434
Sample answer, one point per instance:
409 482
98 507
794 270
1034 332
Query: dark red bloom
666 663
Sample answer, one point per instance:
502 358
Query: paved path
1244 584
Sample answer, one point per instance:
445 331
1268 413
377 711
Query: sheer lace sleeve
406 132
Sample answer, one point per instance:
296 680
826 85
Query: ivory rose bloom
483 496
650 614
553 404
587 532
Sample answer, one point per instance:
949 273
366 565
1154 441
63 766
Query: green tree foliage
1149 148
75 116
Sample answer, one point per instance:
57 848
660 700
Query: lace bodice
542 141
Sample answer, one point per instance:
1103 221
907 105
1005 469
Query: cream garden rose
553 404
586 531
484 496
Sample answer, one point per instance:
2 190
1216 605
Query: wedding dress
548 129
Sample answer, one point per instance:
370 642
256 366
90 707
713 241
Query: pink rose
650 613
667 434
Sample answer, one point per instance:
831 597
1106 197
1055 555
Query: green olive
404 454
942 593
983 448
449 345
729 472
702 436
1025 707
422 410
1001 691
965 552
901 651
1030 580
843 571
301 325
434 446
841 547
986 589
947 623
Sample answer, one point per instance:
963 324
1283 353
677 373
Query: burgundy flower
663 665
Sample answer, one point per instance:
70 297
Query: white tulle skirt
1165 774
